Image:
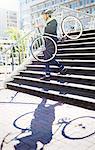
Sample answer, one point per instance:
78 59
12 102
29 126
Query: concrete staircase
76 87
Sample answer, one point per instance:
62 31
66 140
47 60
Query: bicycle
71 27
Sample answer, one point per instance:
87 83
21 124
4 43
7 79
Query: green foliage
17 36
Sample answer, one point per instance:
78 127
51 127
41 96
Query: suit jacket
51 28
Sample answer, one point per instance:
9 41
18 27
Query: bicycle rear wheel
71 27
44 48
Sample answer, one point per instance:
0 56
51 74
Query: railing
87 20
15 56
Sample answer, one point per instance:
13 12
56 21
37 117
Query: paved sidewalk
31 123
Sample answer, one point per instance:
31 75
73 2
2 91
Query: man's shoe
62 71
45 77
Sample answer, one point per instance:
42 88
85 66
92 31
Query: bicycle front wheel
44 48
71 27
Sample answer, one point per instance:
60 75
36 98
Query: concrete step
35 62
82 56
70 70
71 62
77 62
74 55
87 71
67 87
41 68
77 44
76 50
88 34
85 34
83 79
81 101
87 31
79 40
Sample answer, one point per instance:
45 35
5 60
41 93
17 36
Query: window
88 1
73 5
92 1
52 2
81 3
93 10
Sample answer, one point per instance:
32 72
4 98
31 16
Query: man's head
46 14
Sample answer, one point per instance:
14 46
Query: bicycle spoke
49 44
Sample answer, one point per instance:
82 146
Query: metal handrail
11 64
14 44
87 20
77 11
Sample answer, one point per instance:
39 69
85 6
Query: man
51 31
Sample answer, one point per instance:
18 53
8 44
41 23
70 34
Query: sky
9 4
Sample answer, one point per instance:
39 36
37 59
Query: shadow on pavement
40 128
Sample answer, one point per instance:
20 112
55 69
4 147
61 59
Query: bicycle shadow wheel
26 119
79 128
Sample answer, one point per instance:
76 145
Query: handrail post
92 22
19 57
12 58
5 65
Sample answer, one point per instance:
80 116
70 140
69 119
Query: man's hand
38 25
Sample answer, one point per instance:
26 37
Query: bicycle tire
42 38
81 125
63 27
16 125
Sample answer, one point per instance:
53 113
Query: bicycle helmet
47 12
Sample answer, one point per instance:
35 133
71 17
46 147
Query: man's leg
47 55
62 70
47 69
47 72
55 62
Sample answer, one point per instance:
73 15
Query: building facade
8 19
30 10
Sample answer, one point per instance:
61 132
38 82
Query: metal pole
12 59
